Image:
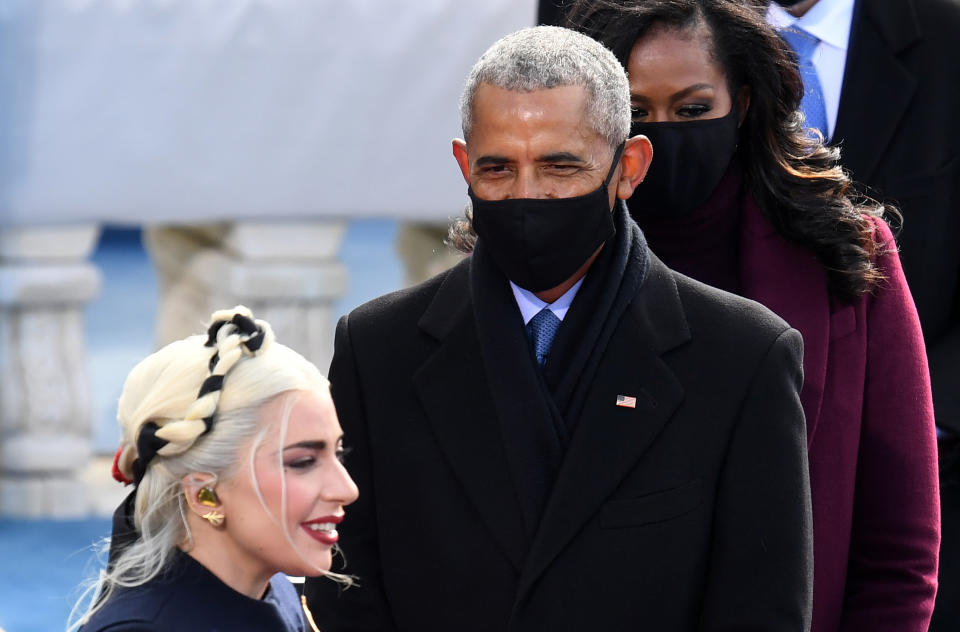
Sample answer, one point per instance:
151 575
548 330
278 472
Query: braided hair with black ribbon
233 334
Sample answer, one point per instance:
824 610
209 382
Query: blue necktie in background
813 105
541 329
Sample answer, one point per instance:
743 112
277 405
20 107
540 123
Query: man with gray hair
560 433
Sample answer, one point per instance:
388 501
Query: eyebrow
561 156
486 161
311 445
677 95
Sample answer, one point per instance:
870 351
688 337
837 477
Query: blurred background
160 159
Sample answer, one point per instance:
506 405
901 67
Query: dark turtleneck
704 244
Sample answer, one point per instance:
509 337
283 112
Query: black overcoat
898 130
690 511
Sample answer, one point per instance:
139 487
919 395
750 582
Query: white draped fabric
197 110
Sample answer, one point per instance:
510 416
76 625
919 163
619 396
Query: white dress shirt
829 21
530 305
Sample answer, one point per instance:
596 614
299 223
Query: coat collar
448 304
881 32
463 416
789 280
896 21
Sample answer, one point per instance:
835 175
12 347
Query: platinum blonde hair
163 389
546 57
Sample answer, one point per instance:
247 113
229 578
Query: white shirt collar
530 305
827 20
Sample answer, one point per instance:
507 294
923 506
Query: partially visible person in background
234 449
876 74
877 79
740 196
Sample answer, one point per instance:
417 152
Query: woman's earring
208 498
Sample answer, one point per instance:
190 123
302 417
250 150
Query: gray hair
545 57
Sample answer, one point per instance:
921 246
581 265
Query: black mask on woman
689 160
540 243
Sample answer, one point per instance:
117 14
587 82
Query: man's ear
460 153
199 488
637 154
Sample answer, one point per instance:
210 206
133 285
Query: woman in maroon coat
741 197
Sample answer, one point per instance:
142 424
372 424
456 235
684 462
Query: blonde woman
234 449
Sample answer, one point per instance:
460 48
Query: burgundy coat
870 429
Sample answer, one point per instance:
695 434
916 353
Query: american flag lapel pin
625 401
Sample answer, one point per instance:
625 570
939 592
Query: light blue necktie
813 106
541 329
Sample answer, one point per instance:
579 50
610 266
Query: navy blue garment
189 598
541 330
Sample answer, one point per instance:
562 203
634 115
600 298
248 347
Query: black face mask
540 243
689 159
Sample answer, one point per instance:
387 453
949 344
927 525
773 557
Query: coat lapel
631 366
461 413
790 281
881 32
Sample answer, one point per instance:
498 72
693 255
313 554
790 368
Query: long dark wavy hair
796 179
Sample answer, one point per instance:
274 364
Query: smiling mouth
323 529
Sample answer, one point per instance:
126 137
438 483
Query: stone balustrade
45 414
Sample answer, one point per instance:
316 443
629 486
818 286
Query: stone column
45 412
287 273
